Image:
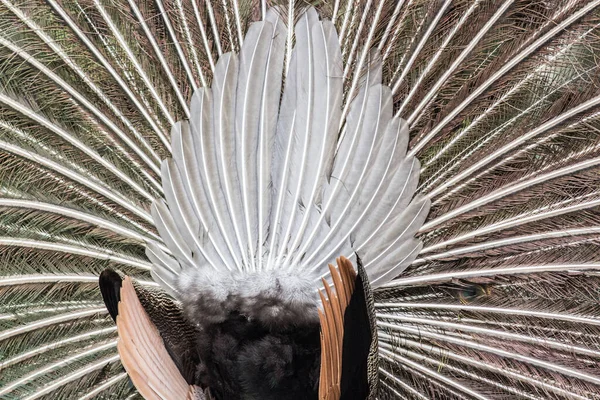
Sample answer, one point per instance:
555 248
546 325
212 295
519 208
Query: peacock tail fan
217 146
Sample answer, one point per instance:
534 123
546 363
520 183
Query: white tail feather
295 192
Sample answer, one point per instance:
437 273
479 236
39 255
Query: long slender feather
251 81
327 109
286 164
303 120
209 195
268 128
223 115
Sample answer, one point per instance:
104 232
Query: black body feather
237 356
247 360
257 334
358 338
110 286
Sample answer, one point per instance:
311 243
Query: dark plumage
110 285
250 356
257 335
358 342
247 360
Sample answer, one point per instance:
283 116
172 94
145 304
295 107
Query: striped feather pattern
497 100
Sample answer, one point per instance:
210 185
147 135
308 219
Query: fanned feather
294 205
498 101
143 352
249 96
327 101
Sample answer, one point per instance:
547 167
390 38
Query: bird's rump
452 144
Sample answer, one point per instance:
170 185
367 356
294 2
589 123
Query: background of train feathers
501 104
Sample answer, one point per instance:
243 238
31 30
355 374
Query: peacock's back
498 101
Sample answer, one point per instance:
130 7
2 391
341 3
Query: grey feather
249 96
327 102
292 210
185 158
186 221
209 196
169 232
223 116
268 128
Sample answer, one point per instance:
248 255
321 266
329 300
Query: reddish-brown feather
335 301
143 353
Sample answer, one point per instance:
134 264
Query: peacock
293 199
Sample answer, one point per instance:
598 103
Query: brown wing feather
143 353
335 300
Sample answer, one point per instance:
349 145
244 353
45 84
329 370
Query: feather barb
335 301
